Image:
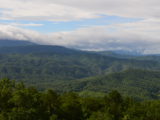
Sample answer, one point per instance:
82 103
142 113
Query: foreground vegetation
18 102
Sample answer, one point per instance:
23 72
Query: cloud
41 10
142 35
69 10
137 36
15 33
29 24
24 25
127 8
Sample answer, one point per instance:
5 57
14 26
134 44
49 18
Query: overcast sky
132 25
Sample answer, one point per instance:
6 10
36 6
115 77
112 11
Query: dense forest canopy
140 84
18 102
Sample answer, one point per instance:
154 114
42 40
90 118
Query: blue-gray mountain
4 43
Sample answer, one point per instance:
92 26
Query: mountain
114 54
39 49
67 69
140 84
42 65
130 55
125 52
7 43
121 54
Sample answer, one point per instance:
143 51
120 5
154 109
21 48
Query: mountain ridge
9 43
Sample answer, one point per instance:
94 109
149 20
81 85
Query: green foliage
91 94
18 102
140 84
95 79
100 116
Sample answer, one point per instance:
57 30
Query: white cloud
127 8
68 10
139 36
142 35
12 32
23 25
41 10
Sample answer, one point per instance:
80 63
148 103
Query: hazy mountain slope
40 49
5 43
154 57
117 55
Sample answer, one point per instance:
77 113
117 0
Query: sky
96 25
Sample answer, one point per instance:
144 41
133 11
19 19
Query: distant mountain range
65 69
121 52
7 43
22 44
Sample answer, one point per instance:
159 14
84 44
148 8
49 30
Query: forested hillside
140 84
64 69
79 59
46 64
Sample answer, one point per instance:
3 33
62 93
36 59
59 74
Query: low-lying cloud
137 36
143 35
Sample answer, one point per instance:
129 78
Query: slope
141 84
43 65
5 43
